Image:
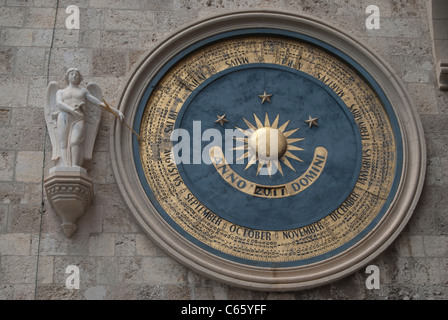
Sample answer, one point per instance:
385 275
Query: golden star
312 121
265 97
221 119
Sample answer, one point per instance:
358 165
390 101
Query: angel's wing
93 117
51 115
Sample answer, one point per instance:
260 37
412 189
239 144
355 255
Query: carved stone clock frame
203 261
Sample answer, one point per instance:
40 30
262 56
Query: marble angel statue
73 115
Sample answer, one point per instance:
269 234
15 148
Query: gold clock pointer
108 109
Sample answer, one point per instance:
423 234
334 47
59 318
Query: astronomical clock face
265 152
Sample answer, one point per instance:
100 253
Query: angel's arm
93 100
61 104
118 112
101 104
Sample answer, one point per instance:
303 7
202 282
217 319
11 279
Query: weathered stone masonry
115 258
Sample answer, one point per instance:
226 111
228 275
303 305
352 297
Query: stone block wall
115 258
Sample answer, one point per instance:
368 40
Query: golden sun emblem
268 144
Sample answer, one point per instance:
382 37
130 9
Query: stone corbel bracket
70 193
442 74
438 14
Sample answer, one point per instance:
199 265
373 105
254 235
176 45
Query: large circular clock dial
270 152
331 180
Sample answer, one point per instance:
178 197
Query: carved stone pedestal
70 192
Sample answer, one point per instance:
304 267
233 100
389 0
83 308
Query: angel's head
73 75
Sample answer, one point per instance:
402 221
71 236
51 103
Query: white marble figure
73 115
